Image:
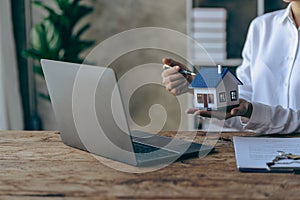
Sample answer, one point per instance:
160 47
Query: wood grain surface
37 165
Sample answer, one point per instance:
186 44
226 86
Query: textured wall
114 16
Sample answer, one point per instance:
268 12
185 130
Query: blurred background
69 29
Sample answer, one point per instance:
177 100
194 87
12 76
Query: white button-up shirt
270 73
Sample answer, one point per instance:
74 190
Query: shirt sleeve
270 120
265 119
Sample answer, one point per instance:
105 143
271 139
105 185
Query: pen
181 71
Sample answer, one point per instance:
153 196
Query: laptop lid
85 118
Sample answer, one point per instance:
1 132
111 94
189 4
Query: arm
264 119
270 120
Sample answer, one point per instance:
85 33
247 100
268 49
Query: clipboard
253 153
287 167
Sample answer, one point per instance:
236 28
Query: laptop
90 115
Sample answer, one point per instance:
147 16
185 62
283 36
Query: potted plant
55 36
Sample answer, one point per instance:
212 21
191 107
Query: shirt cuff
261 116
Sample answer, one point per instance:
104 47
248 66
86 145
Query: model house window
222 97
200 98
205 98
233 95
211 98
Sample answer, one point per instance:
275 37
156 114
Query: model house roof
210 78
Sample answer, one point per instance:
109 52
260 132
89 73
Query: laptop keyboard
147 152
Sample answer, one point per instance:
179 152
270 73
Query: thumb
235 111
167 61
238 111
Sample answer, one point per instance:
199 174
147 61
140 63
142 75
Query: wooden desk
35 165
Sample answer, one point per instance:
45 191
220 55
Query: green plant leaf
38 70
63 4
46 40
60 21
45 96
31 53
82 30
77 13
75 3
53 39
37 38
45 7
86 44
77 47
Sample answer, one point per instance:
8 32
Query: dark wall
272 5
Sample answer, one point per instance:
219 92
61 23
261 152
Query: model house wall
215 90
205 95
230 89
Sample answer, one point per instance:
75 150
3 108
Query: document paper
252 153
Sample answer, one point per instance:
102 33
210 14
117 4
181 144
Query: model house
215 88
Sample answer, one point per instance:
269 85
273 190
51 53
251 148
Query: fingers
166 74
183 88
178 90
174 81
196 111
237 111
209 114
244 109
171 62
191 110
179 84
169 77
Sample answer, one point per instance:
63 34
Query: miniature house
215 89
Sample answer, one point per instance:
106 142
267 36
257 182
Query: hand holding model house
215 90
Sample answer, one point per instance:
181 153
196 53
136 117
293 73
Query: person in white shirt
270 72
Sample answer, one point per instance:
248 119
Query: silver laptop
90 114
